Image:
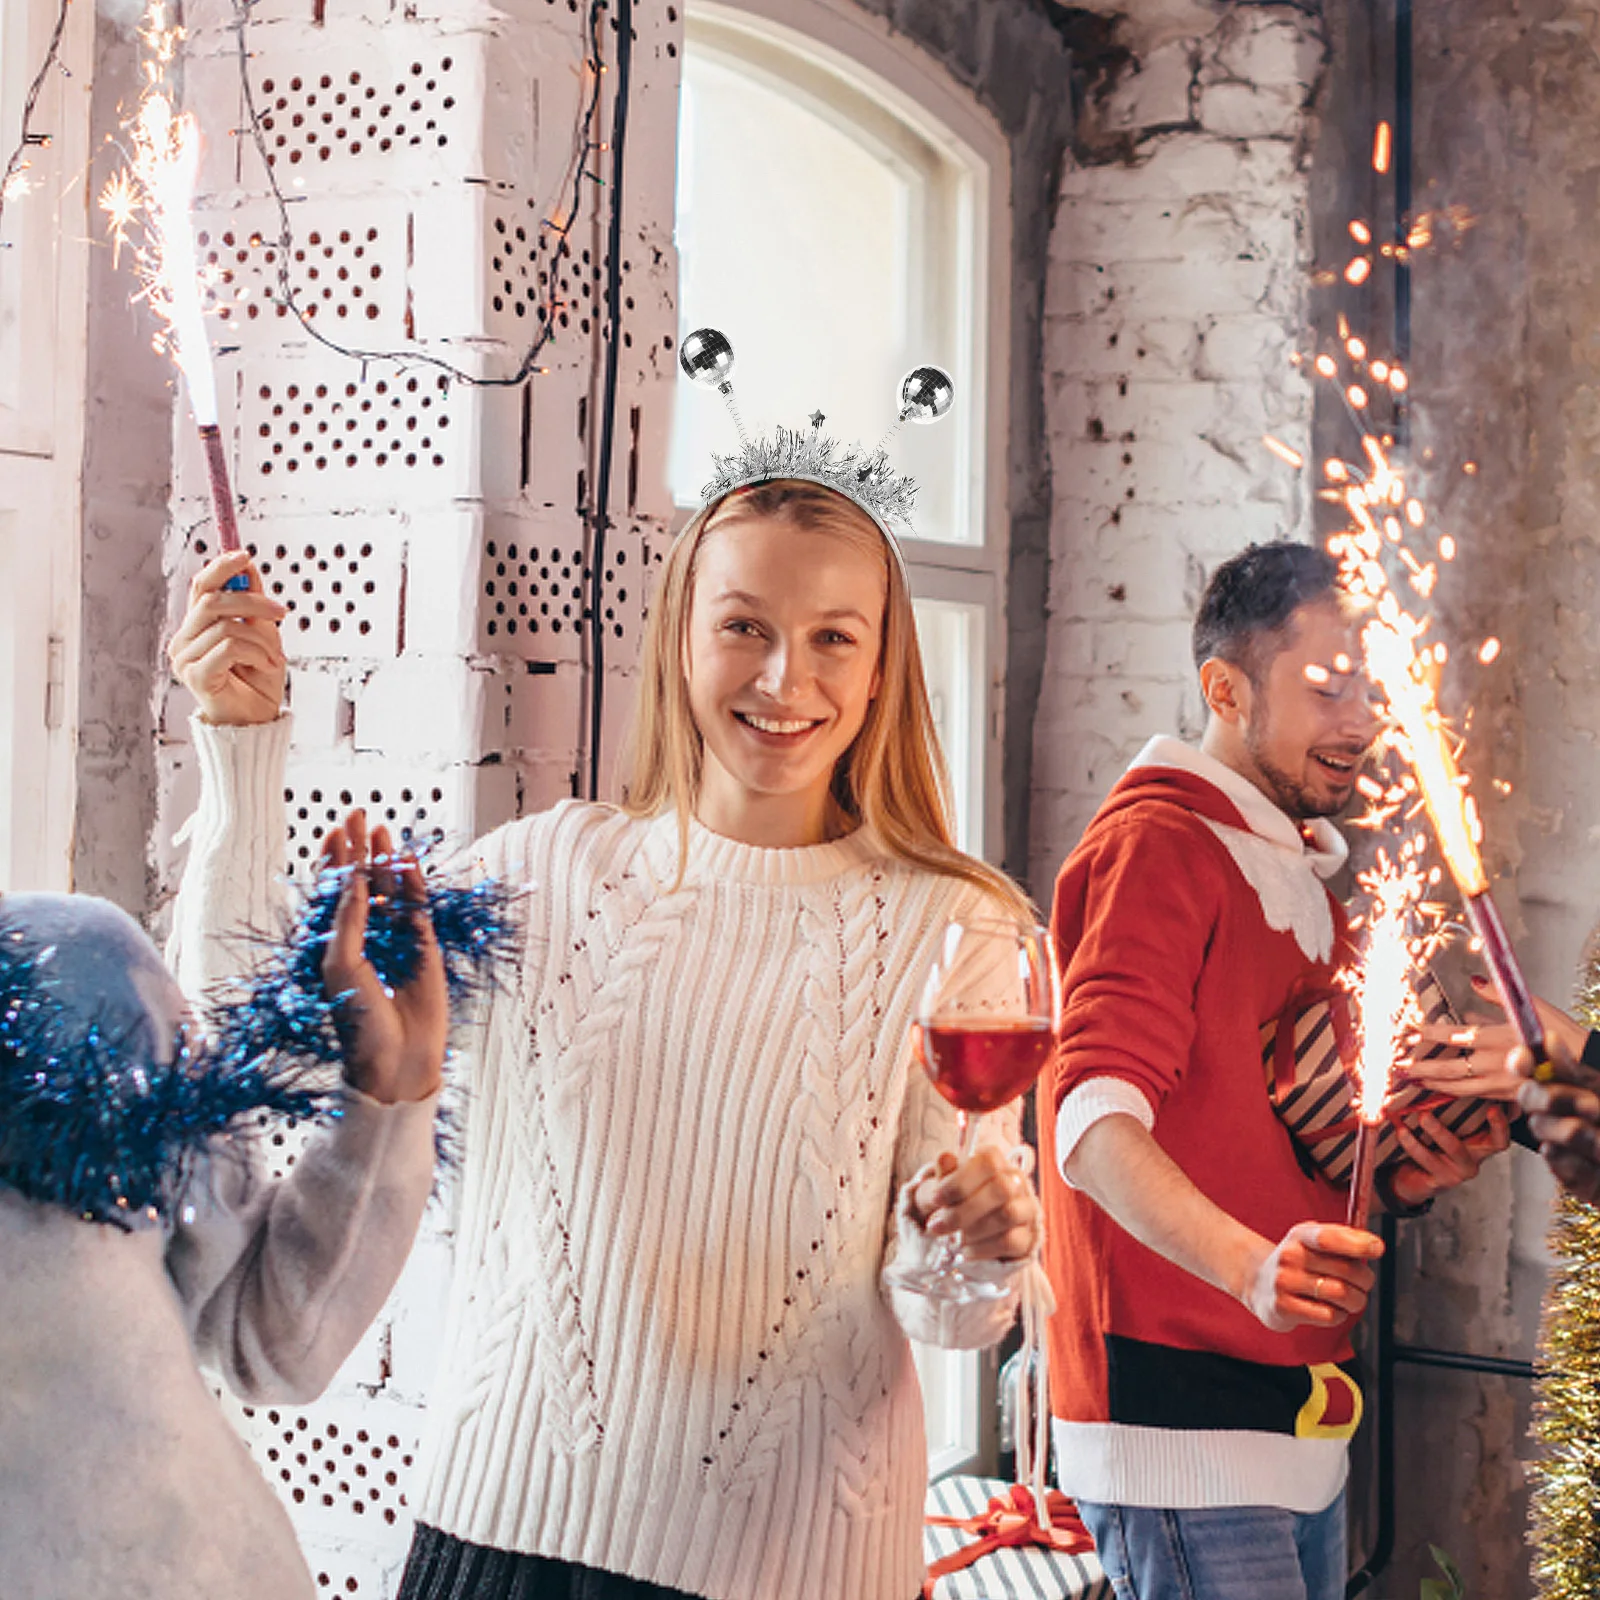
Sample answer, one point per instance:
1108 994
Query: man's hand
1317 1276
985 1199
1477 1066
1443 1160
1564 1114
394 1043
227 652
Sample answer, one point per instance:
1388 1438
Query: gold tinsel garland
1566 1478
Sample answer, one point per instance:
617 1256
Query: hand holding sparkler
1478 1067
1317 1275
1563 1108
227 651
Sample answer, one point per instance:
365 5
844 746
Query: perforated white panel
319 430
421 806
535 591
352 1458
344 591
413 96
347 268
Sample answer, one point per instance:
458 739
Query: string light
14 181
560 222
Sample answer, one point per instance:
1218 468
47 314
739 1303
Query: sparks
1382 145
156 200
18 184
1388 1016
1284 452
1390 644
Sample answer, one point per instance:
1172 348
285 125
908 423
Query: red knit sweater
1170 969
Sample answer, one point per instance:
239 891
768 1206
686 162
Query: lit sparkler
1385 521
1388 1014
150 211
1375 497
1386 533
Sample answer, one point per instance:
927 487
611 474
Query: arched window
842 216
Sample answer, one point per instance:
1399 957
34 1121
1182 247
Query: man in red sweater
1202 1375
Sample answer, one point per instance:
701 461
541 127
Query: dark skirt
441 1567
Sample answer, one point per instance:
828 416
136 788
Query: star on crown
863 475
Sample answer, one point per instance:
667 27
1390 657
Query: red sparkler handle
1515 995
222 511
1362 1174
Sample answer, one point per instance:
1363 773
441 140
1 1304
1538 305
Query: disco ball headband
863 476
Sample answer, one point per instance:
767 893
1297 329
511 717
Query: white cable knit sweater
669 1353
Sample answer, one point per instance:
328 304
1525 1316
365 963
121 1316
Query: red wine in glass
984 1029
981 1065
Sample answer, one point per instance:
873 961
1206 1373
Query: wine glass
985 1026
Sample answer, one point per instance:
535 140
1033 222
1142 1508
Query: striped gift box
1021 1574
1311 1086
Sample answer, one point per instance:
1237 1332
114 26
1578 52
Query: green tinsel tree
1566 1479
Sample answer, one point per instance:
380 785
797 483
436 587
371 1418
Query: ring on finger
1316 1289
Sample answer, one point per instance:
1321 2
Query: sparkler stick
159 197
1361 1175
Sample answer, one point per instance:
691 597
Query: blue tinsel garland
285 1013
88 1125
89 1121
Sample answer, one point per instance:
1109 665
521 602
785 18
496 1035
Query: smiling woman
696 1140
780 679
785 694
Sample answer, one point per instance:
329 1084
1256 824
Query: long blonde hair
893 777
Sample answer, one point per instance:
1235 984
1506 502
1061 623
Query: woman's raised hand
394 1041
1563 1110
227 652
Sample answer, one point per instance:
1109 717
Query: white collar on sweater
1273 856
1325 852
715 857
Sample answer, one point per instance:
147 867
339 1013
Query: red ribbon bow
1011 1520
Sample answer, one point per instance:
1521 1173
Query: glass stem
967 1134
947 1255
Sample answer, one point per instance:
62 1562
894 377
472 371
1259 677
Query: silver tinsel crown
863 475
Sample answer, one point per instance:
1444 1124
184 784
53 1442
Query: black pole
1421 1355
601 520
1383 1545
1403 154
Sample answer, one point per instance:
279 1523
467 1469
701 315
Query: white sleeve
233 879
280 1280
1090 1102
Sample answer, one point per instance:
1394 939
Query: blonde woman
695 1133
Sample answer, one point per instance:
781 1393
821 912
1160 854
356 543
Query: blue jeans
1235 1553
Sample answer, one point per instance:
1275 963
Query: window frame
839 37
44 278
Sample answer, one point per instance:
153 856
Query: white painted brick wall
1175 296
425 532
